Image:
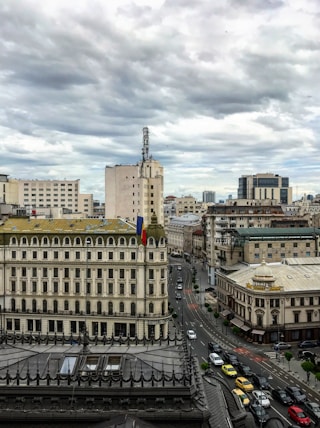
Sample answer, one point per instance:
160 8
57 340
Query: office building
265 186
135 190
208 196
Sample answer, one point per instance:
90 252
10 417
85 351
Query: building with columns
273 302
62 276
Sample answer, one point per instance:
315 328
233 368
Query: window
110 308
121 289
269 245
77 287
99 308
99 273
121 273
283 245
151 274
13 286
122 241
110 255
66 255
99 288
88 288
34 255
132 309
256 245
23 286
55 287
44 306
55 306
295 244
121 255
55 272
56 255
66 305
151 289
296 317
311 301
110 273
34 286
132 274
34 272
66 287
77 273
309 316
13 271
133 288
151 308
133 256
24 254
45 287
45 272
151 255
77 255
66 272
14 254
301 301
121 307
293 301
99 255
110 288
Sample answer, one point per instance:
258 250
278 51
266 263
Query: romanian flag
141 231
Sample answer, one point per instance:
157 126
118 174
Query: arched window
45 241
34 305
133 309
151 241
99 241
122 241
99 308
67 241
23 305
78 241
55 306
55 240
24 241
133 241
151 308
110 241
110 308
34 241
44 306
88 307
13 305
77 307
121 307
13 241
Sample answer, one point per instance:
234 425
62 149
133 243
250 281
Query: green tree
205 366
216 315
308 367
235 330
288 356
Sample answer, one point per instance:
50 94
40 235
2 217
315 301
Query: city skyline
226 90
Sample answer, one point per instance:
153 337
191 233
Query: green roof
268 232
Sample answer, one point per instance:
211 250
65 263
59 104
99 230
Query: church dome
263 274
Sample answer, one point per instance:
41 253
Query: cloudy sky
226 87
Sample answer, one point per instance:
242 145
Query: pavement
290 370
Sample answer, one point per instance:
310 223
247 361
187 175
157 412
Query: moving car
244 384
178 296
229 370
307 355
297 415
261 398
179 280
242 395
191 334
245 370
313 409
278 346
307 344
179 287
179 267
260 381
214 347
216 359
230 358
296 394
259 413
282 397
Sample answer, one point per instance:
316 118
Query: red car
298 416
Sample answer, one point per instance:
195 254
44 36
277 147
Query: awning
236 322
260 332
245 327
225 313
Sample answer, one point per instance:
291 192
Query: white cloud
226 88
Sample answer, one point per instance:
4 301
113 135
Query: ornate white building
63 276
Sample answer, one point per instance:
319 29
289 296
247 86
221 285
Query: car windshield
246 382
301 415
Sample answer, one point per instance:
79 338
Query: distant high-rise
135 190
208 196
265 186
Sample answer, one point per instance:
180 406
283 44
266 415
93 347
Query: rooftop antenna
145 150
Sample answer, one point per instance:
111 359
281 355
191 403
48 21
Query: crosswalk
271 354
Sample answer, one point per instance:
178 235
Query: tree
236 330
308 367
205 366
216 315
288 356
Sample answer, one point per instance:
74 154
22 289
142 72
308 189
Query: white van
216 359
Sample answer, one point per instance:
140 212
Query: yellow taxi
229 370
244 384
242 395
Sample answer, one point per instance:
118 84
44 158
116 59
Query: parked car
259 413
313 409
260 381
279 346
242 395
297 415
229 370
214 347
179 267
306 355
178 296
282 397
179 287
296 394
230 358
191 334
307 344
216 359
261 398
179 280
245 370
244 384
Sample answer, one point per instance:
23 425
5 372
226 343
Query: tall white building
209 196
135 190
